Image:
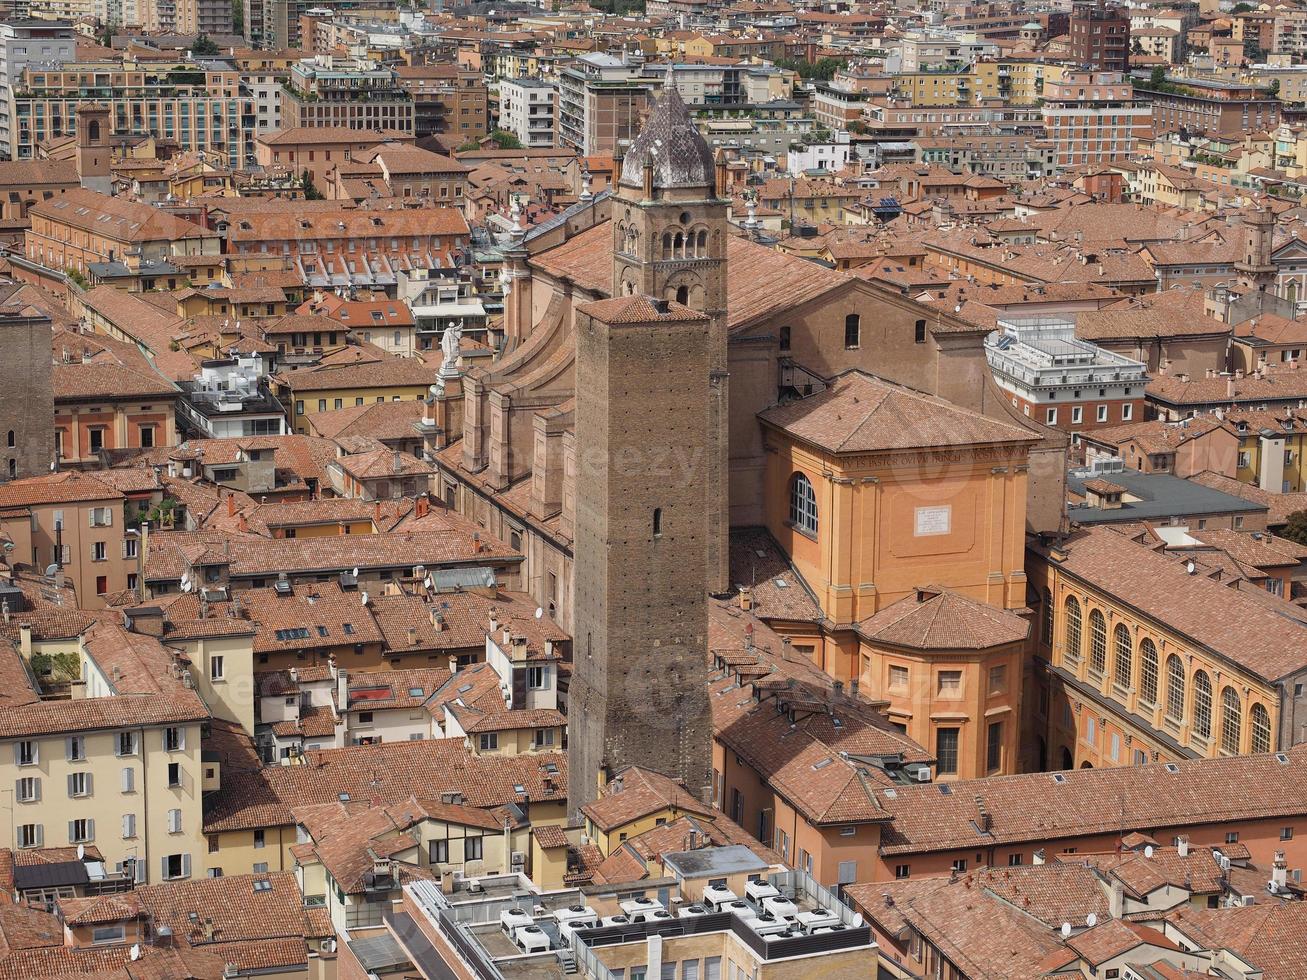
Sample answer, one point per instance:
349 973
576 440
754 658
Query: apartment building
1210 106
319 149
107 396
1100 36
836 108
1150 658
118 767
526 109
602 101
24 43
1060 381
195 107
330 92
1092 117
254 821
86 528
265 72
212 18
446 99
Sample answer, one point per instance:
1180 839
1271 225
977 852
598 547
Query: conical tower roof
679 155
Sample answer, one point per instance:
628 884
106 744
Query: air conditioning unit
923 774
519 859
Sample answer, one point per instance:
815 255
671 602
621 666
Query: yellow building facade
1141 667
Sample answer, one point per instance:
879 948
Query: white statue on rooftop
450 343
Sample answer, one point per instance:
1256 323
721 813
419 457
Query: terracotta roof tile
938 619
862 413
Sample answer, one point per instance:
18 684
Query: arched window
1124 655
1231 720
701 243
1174 688
657 522
1048 618
678 245
803 504
682 294
9 440
1148 672
13 467
1202 705
784 341
1259 720
667 244
1097 642
93 131
1071 656
515 541
852 331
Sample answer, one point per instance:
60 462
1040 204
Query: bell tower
93 152
651 507
669 242
1255 269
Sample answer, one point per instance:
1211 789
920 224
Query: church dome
679 155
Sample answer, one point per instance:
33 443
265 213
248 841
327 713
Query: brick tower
93 150
669 241
1255 269
650 421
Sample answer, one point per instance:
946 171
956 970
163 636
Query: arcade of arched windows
1197 702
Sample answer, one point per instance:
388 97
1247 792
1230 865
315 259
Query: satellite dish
364 598
1066 930
427 581
50 570
1148 851
539 612
1091 920
186 579
355 572
136 951
186 586
81 852
1189 567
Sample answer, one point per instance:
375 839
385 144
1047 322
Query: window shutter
139 864
67 555
18 753
129 826
72 831
108 517
68 749
181 737
90 785
90 828
129 780
163 868
186 865
71 788
40 835
91 515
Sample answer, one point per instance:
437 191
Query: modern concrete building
601 102
329 92
1092 117
24 43
526 109
1061 381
